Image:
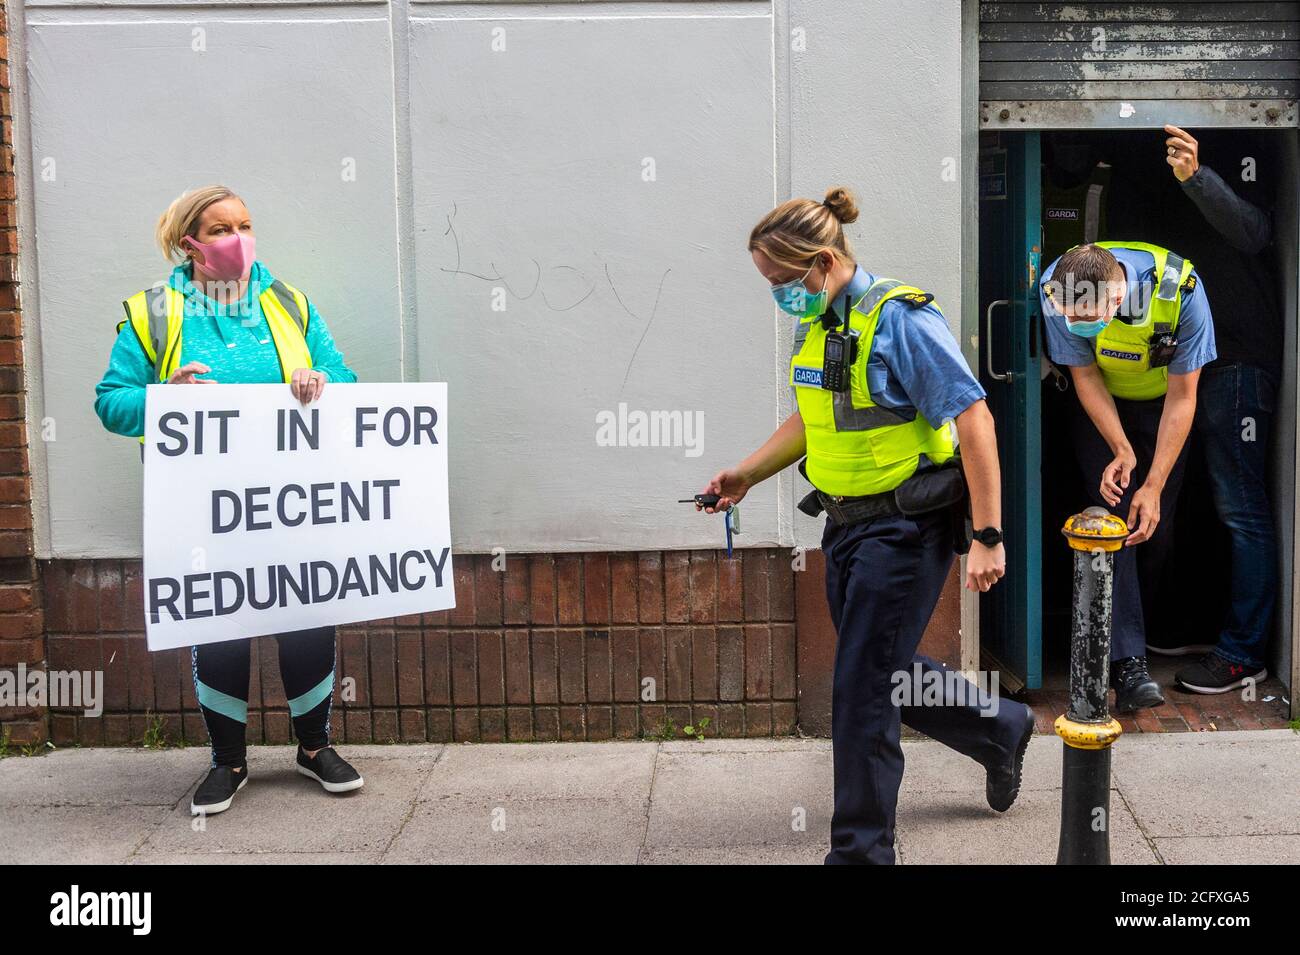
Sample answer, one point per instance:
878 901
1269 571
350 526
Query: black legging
221 684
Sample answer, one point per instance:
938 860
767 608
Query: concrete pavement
1178 798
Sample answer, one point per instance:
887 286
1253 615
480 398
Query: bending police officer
1131 322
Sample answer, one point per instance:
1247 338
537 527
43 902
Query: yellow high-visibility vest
157 313
1123 350
856 446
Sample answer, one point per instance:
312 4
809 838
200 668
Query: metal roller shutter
1091 64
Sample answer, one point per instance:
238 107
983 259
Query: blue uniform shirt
1195 326
915 363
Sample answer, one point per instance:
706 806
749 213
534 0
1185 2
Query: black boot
1002 783
1134 688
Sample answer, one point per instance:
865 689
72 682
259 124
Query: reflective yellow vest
1123 350
157 313
855 446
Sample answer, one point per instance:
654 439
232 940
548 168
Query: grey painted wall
549 211
126 114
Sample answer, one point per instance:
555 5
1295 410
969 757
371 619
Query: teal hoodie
234 340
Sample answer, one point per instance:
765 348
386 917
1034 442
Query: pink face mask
227 259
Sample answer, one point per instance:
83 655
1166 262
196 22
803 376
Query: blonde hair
796 232
182 218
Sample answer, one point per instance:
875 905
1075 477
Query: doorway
1041 192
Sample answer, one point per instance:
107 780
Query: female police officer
872 421
223 315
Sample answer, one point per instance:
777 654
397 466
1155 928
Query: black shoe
1134 688
1002 784
217 792
1213 674
330 770
1170 646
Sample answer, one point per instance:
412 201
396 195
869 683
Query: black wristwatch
989 536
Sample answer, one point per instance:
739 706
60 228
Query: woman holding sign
222 315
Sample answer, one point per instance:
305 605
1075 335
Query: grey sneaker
1213 674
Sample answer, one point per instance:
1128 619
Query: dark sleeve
1244 225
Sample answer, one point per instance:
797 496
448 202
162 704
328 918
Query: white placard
262 515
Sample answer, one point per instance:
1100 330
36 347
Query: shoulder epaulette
916 299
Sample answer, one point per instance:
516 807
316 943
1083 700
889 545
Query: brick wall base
552 647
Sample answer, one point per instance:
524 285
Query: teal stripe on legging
222 703
300 705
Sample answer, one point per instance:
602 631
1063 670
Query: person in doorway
1075 193
1075 187
1131 322
879 379
222 315
1234 417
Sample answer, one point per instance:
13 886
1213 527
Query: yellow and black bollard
1087 727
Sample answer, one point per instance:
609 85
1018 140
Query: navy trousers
1138 569
883 580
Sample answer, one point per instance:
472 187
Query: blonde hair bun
842 204
797 231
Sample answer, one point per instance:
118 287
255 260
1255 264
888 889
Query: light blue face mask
1087 329
793 296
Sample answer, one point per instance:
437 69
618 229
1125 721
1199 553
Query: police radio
840 350
1164 344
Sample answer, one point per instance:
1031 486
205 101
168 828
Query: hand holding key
712 502
729 487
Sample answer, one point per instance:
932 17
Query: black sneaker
1213 674
217 792
1172 646
1002 784
1134 688
330 770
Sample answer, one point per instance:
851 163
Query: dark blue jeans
1234 418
